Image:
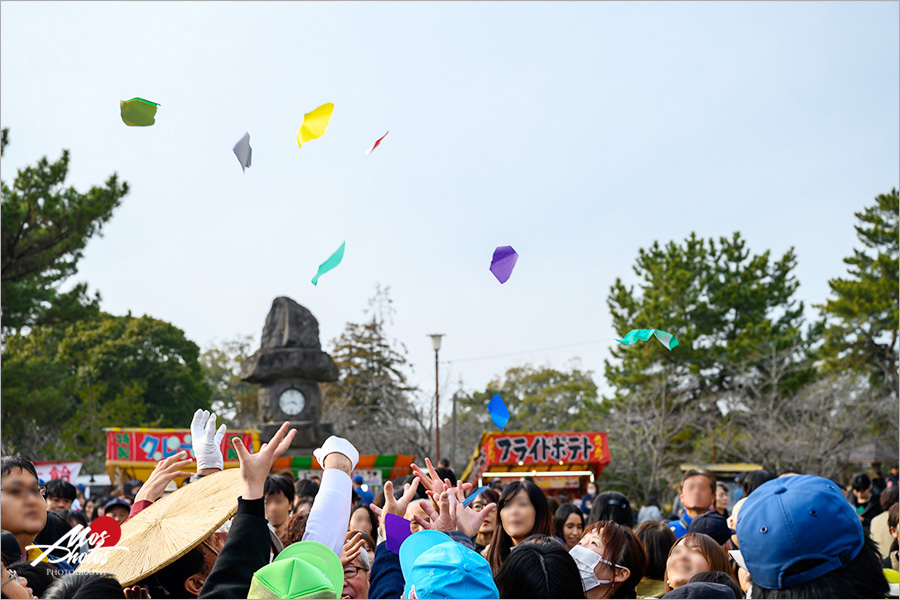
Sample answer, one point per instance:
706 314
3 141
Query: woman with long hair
522 512
694 553
568 525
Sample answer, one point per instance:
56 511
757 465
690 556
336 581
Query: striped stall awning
390 465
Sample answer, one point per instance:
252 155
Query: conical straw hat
169 528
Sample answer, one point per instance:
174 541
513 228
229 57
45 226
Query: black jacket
871 509
246 550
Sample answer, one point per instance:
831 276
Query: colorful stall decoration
556 460
134 452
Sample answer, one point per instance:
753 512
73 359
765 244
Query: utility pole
453 446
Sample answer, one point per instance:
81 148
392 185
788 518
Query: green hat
302 570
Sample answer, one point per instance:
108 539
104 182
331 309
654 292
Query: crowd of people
788 536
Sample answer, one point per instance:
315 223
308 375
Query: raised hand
469 520
207 442
392 505
443 518
255 467
337 453
432 481
166 471
451 514
352 547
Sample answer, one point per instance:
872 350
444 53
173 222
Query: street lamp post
436 344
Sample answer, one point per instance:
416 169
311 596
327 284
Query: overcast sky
575 132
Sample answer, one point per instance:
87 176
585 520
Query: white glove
207 441
339 445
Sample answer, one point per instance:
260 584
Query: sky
575 132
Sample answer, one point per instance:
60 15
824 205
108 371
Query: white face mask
587 560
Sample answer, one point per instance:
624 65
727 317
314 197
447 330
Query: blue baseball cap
434 566
790 519
357 479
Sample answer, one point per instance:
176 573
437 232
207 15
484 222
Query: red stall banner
550 450
546 448
127 446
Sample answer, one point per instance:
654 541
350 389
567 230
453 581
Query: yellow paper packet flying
314 124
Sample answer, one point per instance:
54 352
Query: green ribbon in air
333 261
667 339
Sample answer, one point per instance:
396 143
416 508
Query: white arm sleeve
330 512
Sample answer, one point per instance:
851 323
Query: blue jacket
680 526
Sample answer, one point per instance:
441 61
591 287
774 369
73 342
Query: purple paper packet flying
503 262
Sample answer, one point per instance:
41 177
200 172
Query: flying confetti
138 112
503 261
333 261
243 151
314 124
499 412
667 339
375 145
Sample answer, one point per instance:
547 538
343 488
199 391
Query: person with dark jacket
865 501
386 579
246 548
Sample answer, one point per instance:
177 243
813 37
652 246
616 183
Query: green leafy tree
234 400
372 403
538 399
860 321
63 384
45 228
722 303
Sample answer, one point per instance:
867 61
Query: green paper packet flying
667 339
333 261
138 112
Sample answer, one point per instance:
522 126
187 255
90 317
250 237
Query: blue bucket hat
434 566
790 519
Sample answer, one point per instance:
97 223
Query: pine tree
860 322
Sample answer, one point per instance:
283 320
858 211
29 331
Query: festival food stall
132 453
558 462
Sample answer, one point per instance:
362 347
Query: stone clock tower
289 366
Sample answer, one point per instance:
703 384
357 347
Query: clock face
291 402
